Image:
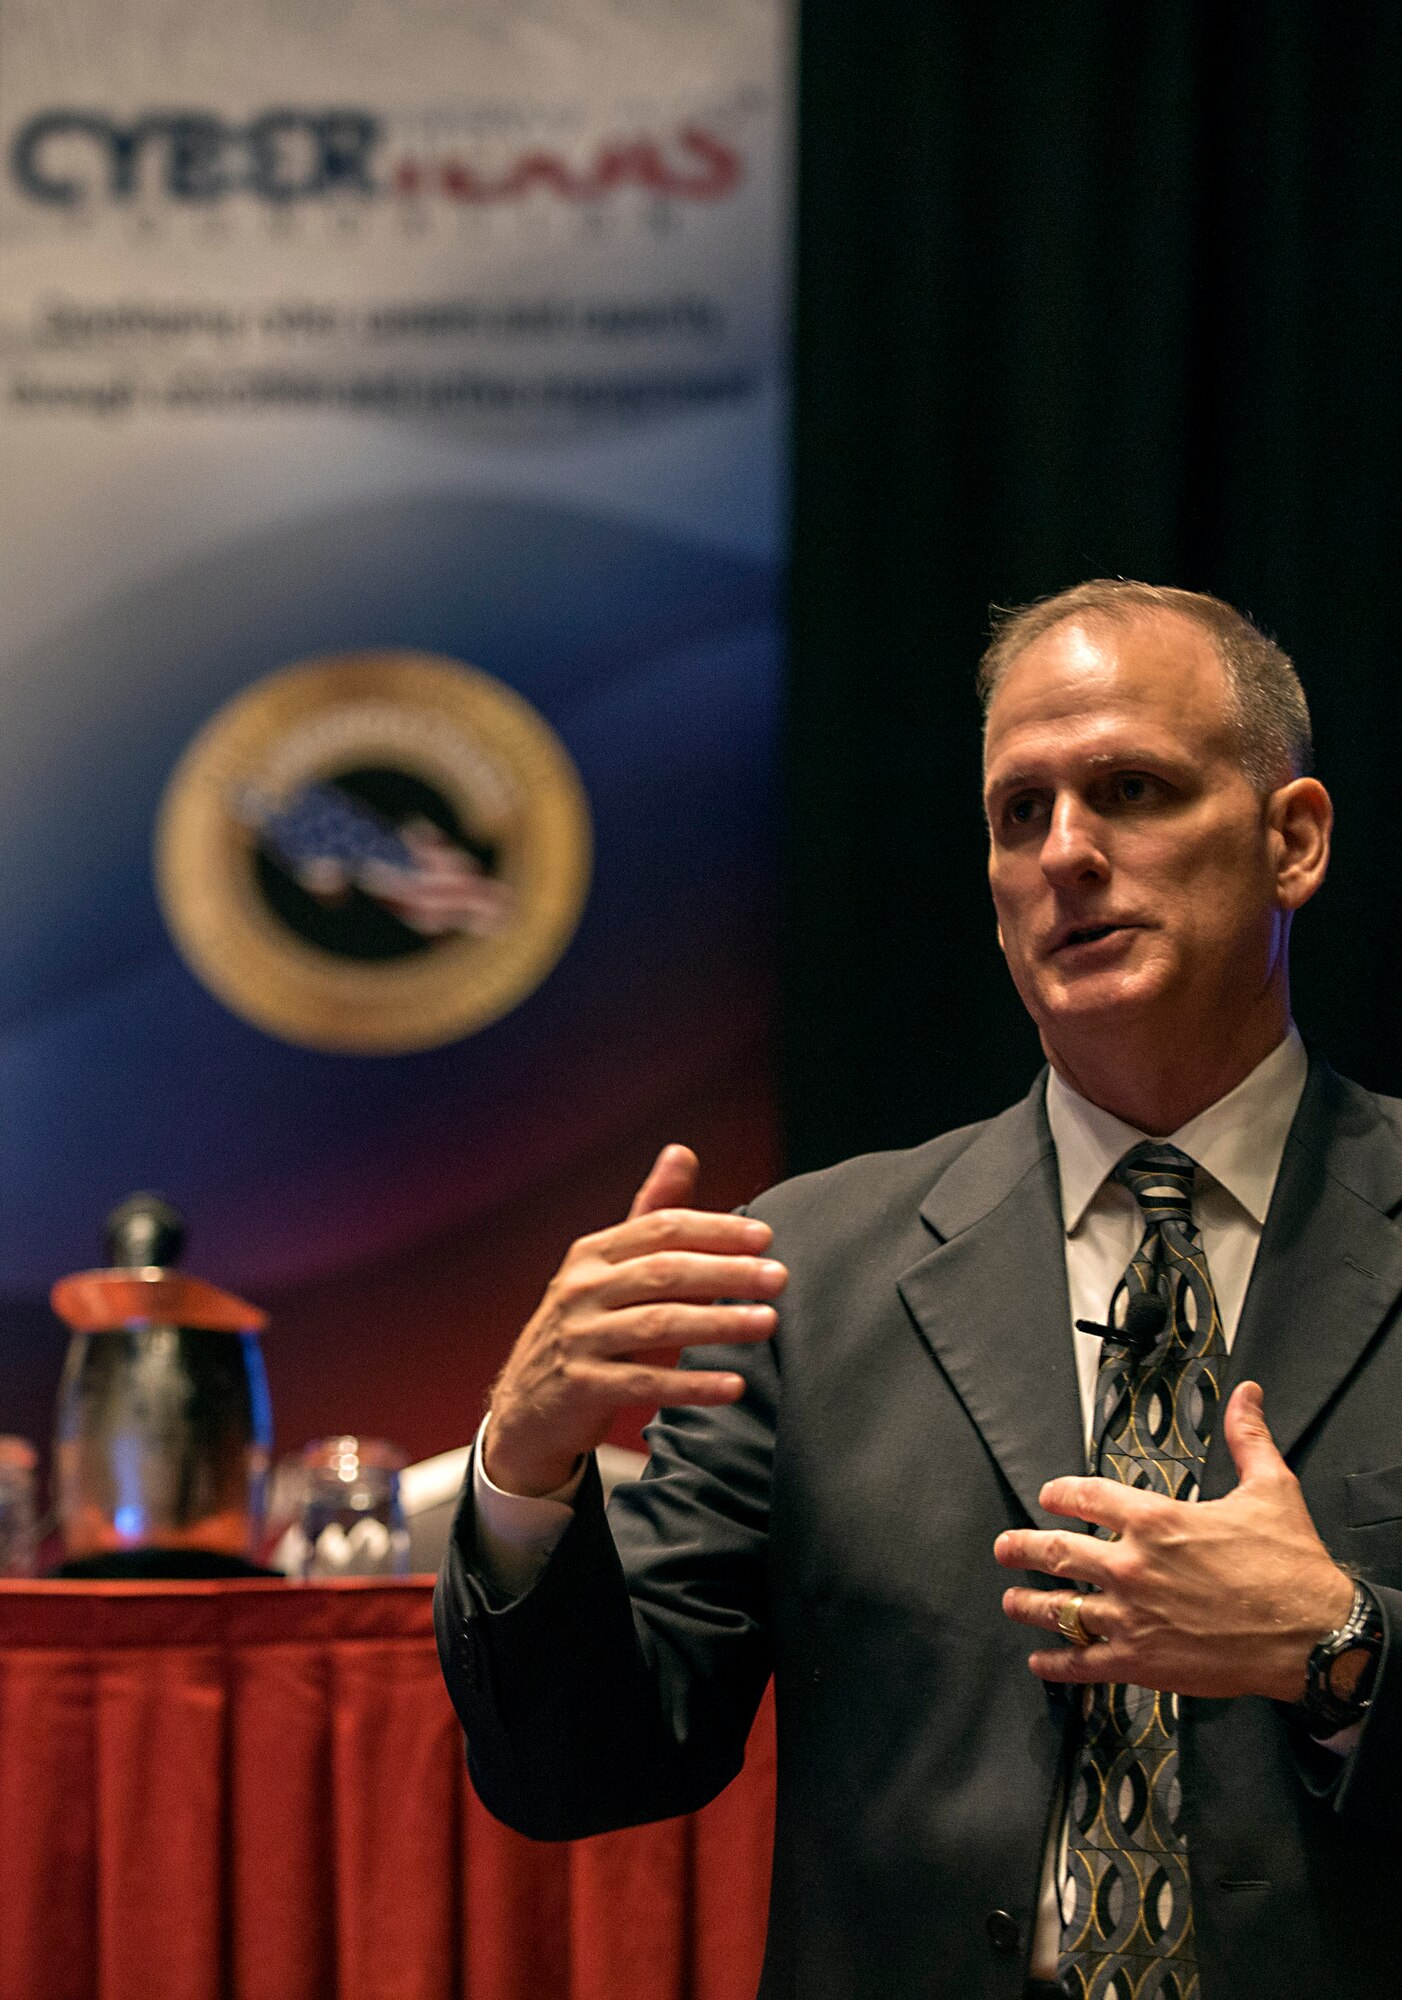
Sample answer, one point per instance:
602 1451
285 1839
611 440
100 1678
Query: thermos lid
144 1239
105 1301
17 1454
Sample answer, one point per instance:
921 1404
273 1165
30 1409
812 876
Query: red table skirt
250 1791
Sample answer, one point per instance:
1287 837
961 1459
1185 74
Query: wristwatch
1340 1672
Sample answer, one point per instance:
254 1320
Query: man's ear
1300 817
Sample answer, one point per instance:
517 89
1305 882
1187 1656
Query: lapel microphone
1145 1319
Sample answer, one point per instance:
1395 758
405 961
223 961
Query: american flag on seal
331 843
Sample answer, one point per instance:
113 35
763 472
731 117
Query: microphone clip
1144 1321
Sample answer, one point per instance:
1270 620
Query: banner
392 405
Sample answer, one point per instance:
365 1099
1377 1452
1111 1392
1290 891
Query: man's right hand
607 1333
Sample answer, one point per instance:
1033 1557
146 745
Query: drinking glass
17 1538
352 1523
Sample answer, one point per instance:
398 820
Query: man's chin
1100 1001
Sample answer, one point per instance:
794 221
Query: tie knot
1161 1180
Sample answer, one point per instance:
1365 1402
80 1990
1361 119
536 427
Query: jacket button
1004 1934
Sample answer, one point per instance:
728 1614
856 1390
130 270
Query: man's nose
1072 850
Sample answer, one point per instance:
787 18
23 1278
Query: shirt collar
1239 1140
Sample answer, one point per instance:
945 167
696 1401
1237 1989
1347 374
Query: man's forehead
1165 643
1159 667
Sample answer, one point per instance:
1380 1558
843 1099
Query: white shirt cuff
1343 1743
516 1533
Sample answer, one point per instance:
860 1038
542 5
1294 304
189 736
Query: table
256 1791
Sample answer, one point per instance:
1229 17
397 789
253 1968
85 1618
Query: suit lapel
991 1303
990 1298
1329 1268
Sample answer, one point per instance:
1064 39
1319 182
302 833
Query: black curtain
1083 290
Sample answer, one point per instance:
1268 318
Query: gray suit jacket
836 1527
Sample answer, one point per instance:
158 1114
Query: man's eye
1131 787
1020 812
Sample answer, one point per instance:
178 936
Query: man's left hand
1212 1597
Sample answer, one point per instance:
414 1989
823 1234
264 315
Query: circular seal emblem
374 852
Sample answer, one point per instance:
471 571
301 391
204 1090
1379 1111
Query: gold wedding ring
1068 1622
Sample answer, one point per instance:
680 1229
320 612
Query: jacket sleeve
621 1687
1364 1787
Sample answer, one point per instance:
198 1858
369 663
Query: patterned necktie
1127 1920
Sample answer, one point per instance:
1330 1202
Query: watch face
1348 1671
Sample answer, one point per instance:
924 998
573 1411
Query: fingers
687 1275
1082 1665
1079 1557
679 1229
1039 1609
1249 1441
636 1330
1105 1503
1065 1661
671 1181
657 1388
625 1301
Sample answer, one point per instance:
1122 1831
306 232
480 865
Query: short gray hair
1270 712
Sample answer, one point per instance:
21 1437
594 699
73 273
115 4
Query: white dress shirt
1237 1144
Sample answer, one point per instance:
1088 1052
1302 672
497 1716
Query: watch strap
1323 1710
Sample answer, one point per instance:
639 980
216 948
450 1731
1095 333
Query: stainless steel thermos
164 1429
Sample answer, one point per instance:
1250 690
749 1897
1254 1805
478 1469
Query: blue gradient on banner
656 662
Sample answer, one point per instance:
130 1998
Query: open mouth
1087 934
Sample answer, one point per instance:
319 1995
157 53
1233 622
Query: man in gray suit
1134 1341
